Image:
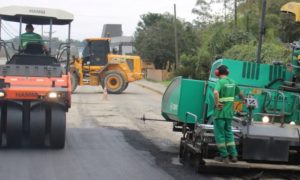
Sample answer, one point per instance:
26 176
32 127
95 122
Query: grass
165 83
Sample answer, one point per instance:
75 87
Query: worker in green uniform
224 93
30 37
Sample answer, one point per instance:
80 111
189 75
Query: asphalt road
103 142
107 140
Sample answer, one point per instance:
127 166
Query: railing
4 44
64 47
274 112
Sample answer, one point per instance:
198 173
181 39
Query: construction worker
30 37
224 92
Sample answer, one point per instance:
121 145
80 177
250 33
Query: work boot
234 159
222 159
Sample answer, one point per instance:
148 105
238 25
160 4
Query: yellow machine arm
292 7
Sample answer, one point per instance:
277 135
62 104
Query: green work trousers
224 137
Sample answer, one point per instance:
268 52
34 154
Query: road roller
35 84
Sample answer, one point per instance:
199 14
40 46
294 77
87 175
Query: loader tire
125 86
74 81
114 82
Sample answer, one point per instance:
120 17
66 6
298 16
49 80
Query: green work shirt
30 37
227 89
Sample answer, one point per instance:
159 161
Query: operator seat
30 59
33 48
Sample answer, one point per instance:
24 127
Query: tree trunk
235 14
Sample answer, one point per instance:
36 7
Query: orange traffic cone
104 97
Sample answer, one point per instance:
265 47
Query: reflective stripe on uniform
230 144
226 99
221 145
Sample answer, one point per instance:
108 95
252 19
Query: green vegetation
229 34
154 39
166 83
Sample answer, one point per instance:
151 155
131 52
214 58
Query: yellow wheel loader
98 66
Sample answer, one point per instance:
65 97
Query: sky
91 15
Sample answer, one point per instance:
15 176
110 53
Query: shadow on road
88 93
165 161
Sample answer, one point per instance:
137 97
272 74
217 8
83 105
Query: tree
206 15
203 11
270 52
148 20
232 34
155 42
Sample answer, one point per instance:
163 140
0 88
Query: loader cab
95 52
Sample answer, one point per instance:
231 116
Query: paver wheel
199 164
182 152
74 81
114 82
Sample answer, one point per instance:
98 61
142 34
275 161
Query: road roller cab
35 86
